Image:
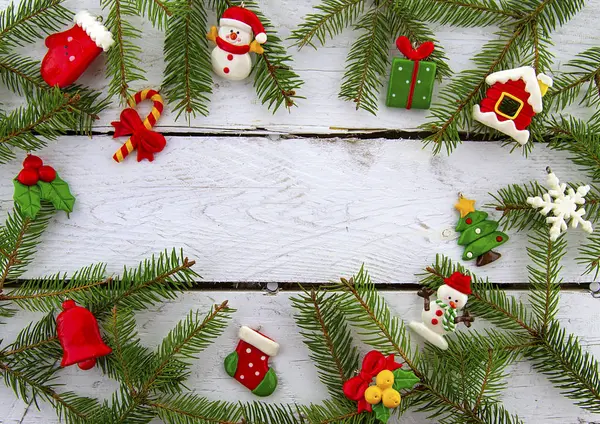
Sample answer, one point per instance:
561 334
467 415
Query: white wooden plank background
262 207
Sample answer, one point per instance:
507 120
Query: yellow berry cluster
383 391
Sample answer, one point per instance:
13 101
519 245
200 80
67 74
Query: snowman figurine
234 39
440 317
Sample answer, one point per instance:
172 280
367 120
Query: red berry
439 313
47 173
499 239
32 162
434 321
28 177
468 221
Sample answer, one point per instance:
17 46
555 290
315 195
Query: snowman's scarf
449 316
230 48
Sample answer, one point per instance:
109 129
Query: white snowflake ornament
563 205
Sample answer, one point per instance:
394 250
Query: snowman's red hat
460 282
246 20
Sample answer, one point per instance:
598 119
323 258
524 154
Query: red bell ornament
71 52
79 336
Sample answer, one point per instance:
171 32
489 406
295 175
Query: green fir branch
31 20
366 310
580 139
575 372
589 255
463 13
19 237
544 276
368 60
156 11
580 72
189 408
187 79
265 413
122 59
328 337
48 114
332 18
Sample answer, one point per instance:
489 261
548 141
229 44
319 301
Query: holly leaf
28 199
382 413
404 379
58 193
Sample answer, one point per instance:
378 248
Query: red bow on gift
147 142
373 363
420 53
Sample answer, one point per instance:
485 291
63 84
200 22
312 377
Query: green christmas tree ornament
37 182
411 79
479 235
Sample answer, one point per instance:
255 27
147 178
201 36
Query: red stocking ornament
79 336
71 52
249 364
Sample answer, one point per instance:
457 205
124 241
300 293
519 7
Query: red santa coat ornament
79 336
71 52
513 99
231 57
249 364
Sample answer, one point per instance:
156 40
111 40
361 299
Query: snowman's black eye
456 300
238 32
231 31
450 297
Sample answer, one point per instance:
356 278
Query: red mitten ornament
249 364
79 336
237 27
37 182
71 52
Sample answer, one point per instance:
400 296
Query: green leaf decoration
382 413
58 193
231 363
28 199
404 379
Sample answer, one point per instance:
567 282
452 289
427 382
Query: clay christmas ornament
249 363
79 336
479 235
513 99
72 51
564 206
234 39
441 317
37 182
146 141
412 79
377 386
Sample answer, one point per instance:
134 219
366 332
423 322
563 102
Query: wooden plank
528 393
302 210
235 107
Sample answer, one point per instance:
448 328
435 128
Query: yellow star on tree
465 206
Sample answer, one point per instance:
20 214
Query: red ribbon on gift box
416 55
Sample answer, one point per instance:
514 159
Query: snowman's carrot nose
233 35
452 305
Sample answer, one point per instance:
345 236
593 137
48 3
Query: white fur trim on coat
95 30
506 127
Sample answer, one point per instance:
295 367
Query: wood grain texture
235 107
302 210
528 393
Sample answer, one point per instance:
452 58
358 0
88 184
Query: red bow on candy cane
147 142
420 53
373 363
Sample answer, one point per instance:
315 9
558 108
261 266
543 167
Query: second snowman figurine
440 318
234 39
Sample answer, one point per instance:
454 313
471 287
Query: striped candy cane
148 123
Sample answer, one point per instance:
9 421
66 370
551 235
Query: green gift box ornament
411 79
